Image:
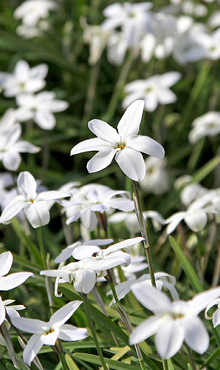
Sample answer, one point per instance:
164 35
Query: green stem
41 245
192 363
90 322
141 221
63 361
120 84
9 344
165 365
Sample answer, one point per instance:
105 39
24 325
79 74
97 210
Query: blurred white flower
206 125
192 192
214 20
216 315
8 121
93 198
155 90
31 11
11 147
23 79
131 221
123 143
134 20
162 279
156 180
96 38
173 322
36 206
48 332
116 48
40 108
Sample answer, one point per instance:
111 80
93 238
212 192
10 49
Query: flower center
212 125
121 146
49 331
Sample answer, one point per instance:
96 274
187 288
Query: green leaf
114 365
186 265
71 364
206 169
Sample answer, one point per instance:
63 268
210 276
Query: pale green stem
120 84
141 221
125 319
165 365
63 361
9 344
58 349
91 326
192 363
45 264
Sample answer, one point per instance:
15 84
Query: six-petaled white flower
124 143
48 332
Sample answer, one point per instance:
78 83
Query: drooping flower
40 108
36 206
23 79
154 90
123 143
48 332
173 322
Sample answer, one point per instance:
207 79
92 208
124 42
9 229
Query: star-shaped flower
123 143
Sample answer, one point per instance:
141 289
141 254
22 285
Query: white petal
123 245
216 318
174 220
71 333
89 145
201 300
196 221
2 311
169 339
26 147
131 163
45 120
166 97
101 160
149 297
151 101
84 281
13 280
37 213
146 145
170 78
12 209
6 259
131 119
104 131
11 160
29 325
196 336
22 70
125 205
64 313
27 185
145 330
39 71
32 348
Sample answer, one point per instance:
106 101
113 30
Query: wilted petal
131 163
130 122
101 160
169 339
146 145
71 333
37 213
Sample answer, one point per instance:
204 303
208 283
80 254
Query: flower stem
63 361
9 344
141 221
165 365
90 322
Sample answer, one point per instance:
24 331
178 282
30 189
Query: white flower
192 192
116 48
67 252
93 262
8 121
40 108
156 180
9 282
162 279
96 38
154 90
173 322
93 198
32 11
48 332
206 125
134 20
11 147
23 79
36 206
124 143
